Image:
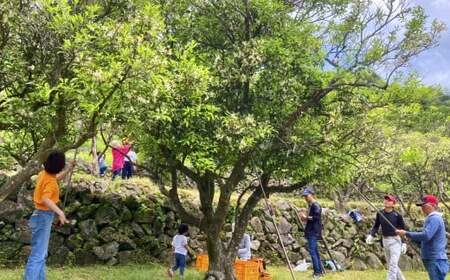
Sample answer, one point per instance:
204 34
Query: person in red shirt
118 154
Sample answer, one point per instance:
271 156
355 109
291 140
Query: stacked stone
129 225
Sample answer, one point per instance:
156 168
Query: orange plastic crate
263 275
260 263
246 270
202 262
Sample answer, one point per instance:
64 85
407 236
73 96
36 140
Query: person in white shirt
179 244
244 250
129 161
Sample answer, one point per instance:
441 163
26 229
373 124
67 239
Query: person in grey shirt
244 251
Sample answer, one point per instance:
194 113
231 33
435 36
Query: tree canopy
234 95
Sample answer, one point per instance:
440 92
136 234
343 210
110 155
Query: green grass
155 272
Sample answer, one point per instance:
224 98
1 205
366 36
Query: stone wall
131 226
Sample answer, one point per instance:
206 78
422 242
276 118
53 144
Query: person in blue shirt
313 230
432 239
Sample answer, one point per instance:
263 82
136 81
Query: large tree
64 67
255 87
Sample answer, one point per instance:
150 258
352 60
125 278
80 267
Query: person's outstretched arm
50 204
61 175
427 233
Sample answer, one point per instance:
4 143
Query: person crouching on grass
392 244
180 247
45 198
432 239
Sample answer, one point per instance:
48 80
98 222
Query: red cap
390 198
431 199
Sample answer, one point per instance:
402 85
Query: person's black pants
127 171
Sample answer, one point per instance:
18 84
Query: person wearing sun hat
432 239
392 243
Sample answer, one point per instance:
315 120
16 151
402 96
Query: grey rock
88 229
256 224
339 257
255 245
358 264
294 257
283 205
106 215
106 251
84 257
59 256
25 200
126 243
124 257
287 239
56 242
193 232
10 211
86 211
126 215
24 231
405 263
112 261
108 234
270 227
144 216
74 242
373 261
344 243
138 230
284 226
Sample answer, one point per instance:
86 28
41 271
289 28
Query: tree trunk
221 264
95 168
339 201
32 167
14 182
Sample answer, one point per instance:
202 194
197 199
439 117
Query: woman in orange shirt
45 197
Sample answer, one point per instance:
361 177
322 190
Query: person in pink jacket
118 154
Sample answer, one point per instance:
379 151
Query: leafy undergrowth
155 272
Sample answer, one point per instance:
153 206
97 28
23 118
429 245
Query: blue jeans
116 173
127 171
314 252
180 262
437 269
41 225
103 170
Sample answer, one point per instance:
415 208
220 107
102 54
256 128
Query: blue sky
434 65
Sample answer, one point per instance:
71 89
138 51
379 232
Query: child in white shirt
179 244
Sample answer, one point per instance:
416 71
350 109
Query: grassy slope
138 272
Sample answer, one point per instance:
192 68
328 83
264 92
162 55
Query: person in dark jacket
313 230
392 243
432 239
